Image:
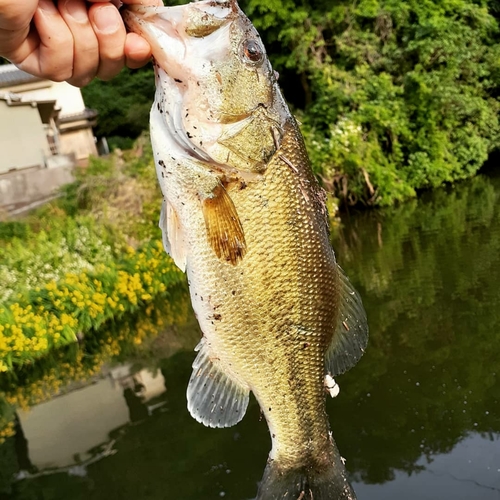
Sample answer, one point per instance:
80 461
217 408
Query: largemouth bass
244 216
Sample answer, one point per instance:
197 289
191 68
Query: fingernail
76 10
107 19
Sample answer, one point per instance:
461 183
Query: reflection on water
64 431
418 417
467 472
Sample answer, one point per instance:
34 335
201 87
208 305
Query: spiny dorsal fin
214 399
351 335
224 229
173 239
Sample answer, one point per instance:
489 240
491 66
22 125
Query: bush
399 96
123 104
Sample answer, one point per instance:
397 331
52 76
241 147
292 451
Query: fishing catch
245 218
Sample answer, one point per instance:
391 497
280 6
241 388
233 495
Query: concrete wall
28 186
79 142
23 141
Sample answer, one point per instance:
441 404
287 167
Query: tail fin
305 483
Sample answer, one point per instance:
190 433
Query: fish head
216 90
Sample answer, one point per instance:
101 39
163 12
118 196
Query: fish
244 216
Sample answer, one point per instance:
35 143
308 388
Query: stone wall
20 188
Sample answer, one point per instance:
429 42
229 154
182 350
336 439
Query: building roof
46 108
11 75
87 114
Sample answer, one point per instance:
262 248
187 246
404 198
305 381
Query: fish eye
253 51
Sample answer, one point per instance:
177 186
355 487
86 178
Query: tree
398 96
123 103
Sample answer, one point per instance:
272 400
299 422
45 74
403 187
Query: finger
110 31
85 45
15 15
15 19
48 50
137 51
12 44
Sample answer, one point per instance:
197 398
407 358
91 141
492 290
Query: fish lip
134 12
139 19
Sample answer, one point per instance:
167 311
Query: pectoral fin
173 238
351 335
214 399
224 229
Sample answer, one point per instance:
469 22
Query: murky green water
418 418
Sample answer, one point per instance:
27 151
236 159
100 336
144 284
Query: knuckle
58 73
79 82
108 75
113 58
59 76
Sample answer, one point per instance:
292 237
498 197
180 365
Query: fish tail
308 482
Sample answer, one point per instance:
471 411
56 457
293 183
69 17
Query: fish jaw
166 30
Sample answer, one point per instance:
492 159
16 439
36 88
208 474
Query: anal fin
214 399
351 334
224 229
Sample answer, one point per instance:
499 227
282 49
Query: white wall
68 98
23 142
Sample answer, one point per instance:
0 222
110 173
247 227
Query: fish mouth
167 30
164 28
155 24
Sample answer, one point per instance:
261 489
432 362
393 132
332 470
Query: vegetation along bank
92 256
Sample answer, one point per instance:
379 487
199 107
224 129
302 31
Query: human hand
70 41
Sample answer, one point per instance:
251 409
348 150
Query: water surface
418 418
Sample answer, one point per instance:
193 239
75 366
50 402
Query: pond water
418 417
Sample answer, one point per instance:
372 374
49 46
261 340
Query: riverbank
91 256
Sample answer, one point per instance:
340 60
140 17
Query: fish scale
288 303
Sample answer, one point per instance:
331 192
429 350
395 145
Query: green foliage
394 96
121 192
123 104
69 246
13 229
399 96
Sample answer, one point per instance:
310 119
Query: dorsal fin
351 334
214 399
173 238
